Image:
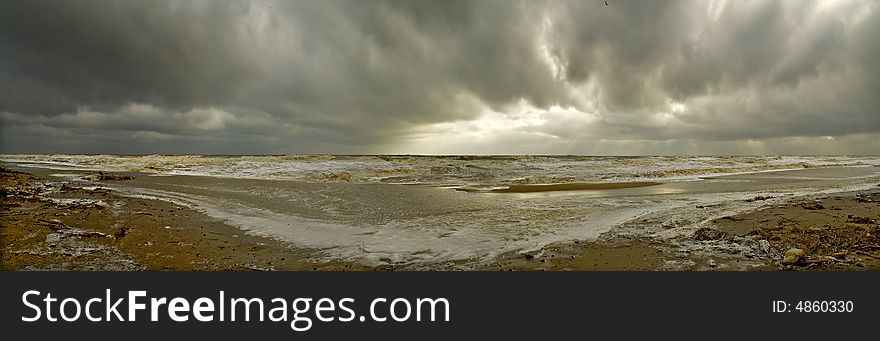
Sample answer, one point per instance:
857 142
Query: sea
461 211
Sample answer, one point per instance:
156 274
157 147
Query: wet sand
45 226
567 187
82 229
838 232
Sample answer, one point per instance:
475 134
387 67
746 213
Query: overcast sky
538 77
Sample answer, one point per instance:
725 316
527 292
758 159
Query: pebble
792 256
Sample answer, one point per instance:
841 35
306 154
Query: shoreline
76 228
94 229
577 186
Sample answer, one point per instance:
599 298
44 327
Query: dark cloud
436 76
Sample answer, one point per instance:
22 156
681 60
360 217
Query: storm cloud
558 77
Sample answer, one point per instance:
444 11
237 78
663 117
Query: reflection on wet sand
565 187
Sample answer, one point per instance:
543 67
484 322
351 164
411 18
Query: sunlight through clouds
424 76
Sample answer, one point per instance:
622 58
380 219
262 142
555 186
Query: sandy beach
840 232
49 224
95 229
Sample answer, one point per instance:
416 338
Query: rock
712 263
793 256
707 233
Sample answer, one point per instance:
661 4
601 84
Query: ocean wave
447 170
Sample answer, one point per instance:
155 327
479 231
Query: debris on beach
868 197
759 198
103 176
860 220
707 233
764 246
813 206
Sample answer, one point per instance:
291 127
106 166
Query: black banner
477 304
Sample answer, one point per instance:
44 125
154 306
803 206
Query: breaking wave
462 170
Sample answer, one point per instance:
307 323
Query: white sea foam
520 226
